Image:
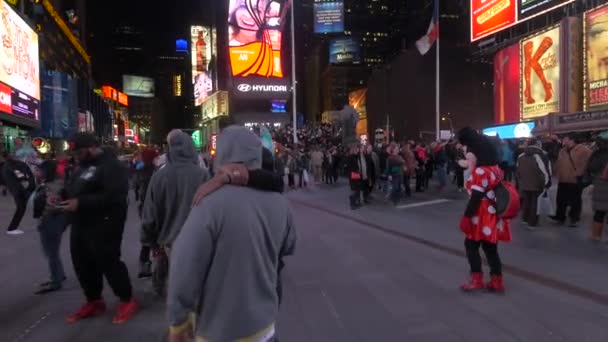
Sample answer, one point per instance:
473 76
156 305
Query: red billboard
491 16
506 85
596 73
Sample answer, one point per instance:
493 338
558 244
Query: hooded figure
224 264
480 223
170 192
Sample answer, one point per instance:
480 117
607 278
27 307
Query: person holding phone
97 204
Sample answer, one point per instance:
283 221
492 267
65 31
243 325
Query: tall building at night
378 28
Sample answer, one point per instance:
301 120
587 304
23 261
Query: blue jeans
442 176
396 182
51 230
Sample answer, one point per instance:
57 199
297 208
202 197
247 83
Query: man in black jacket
97 200
20 182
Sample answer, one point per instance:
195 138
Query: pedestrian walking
97 203
211 297
168 201
571 166
395 167
598 170
480 223
20 183
534 177
52 222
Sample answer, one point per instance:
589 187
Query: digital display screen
138 86
18 103
278 106
540 74
201 45
506 85
344 51
514 131
596 73
329 16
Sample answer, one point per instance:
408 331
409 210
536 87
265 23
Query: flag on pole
425 43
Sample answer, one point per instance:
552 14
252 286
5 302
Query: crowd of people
193 247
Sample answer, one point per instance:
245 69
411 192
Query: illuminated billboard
540 74
201 45
513 131
491 16
138 86
596 47
329 16
344 51
506 85
254 39
18 53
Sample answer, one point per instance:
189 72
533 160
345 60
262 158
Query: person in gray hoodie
168 201
224 264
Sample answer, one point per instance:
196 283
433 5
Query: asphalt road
381 273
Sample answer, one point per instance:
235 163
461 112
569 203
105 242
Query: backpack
507 200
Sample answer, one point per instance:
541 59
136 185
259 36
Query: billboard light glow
254 40
513 131
329 16
344 51
138 86
491 16
596 59
18 53
201 45
540 74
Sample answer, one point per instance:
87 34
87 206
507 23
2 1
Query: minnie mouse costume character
480 223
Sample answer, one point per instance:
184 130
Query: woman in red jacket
480 223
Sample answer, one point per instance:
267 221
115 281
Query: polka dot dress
486 224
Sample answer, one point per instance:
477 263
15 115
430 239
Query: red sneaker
125 311
88 310
496 285
476 283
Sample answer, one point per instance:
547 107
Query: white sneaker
14 232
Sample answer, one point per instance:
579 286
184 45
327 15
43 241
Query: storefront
214 108
562 123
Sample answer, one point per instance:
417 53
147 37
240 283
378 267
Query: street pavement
380 273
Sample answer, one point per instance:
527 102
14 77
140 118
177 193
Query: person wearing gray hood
224 264
168 201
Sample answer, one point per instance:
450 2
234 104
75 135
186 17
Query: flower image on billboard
540 74
202 49
506 85
19 66
596 73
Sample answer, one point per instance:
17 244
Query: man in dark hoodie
97 201
168 201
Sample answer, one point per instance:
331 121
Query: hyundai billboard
254 39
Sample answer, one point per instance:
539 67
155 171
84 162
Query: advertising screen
18 103
201 46
329 16
254 38
278 106
344 51
514 131
596 73
530 8
138 86
506 85
540 69
491 16
19 66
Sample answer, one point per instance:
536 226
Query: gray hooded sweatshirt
224 264
170 192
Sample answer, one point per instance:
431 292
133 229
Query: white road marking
422 204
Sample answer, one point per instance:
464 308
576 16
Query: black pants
144 254
51 231
407 186
291 179
491 252
420 180
569 195
599 216
20 198
530 207
355 196
508 170
459 178
95 254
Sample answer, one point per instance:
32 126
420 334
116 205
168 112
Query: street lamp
449 120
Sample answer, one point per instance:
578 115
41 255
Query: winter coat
533 172
597 164
572 163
